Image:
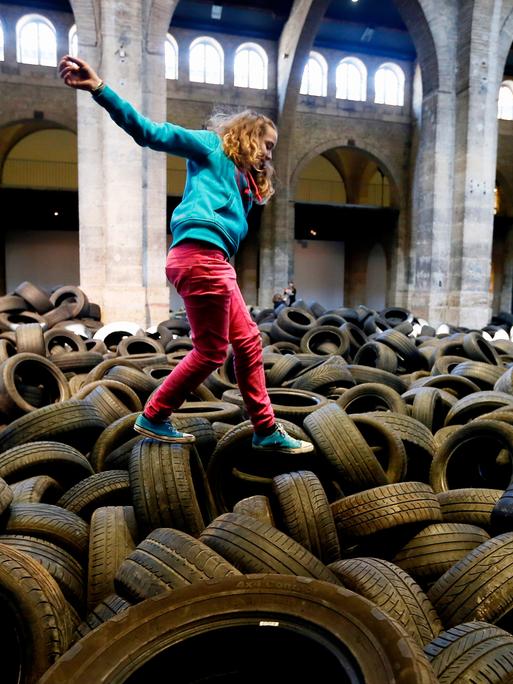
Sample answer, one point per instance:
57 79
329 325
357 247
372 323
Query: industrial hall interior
394 160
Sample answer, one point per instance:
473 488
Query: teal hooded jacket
217 196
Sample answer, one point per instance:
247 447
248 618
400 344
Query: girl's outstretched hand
77 73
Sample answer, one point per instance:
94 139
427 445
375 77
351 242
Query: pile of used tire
383 556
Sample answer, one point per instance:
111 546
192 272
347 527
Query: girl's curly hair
241 134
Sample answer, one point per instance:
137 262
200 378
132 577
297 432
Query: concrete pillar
480 68
433 29
122 194
277 228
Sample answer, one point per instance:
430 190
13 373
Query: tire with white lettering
280 616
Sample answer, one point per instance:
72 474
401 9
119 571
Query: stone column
480 68
122 186
433 29
277 227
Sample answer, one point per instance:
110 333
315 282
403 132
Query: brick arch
13 132
87 19
435 64
375 155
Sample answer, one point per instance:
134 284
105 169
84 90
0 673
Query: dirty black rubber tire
74 297
325 340
380 648
367 374
464 447
111 541
234 451
386 444
35 296
65 339
386 507
37 622
112 605
342 444
469 505
472 652
295 321
140 382
29 369
284 368
253 546
166 560
77 361
478 349
456 384
169 487
417 439
61 461
108 488
306 514
30 339
436 548
212 410
474 405
53 523
479 587
37 489
376 355
258 507
322 377
6 496
483 374
117 433
394 592
139 345
62 566
71 422
371 396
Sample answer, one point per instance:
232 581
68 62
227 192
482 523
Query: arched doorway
38 186
345 225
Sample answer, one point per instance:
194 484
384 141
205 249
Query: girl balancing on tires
228 167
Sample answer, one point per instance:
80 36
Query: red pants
217 314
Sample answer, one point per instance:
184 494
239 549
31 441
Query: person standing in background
290 293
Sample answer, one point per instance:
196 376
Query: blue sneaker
164 431
281 441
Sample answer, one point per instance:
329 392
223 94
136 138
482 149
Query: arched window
206 61
315 76
171 57
351 78
1 41
506 101
389 85
36 41
73 41
250 67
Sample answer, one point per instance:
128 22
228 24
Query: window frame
171 41
72 37
2 40
506 85
401 80
21 25
323 64
212 42
362 70
259 50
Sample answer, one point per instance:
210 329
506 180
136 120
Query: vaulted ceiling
366 26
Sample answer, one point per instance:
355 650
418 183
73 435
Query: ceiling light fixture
216 12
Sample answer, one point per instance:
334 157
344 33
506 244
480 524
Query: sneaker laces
281 430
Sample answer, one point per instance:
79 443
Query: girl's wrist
98 87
